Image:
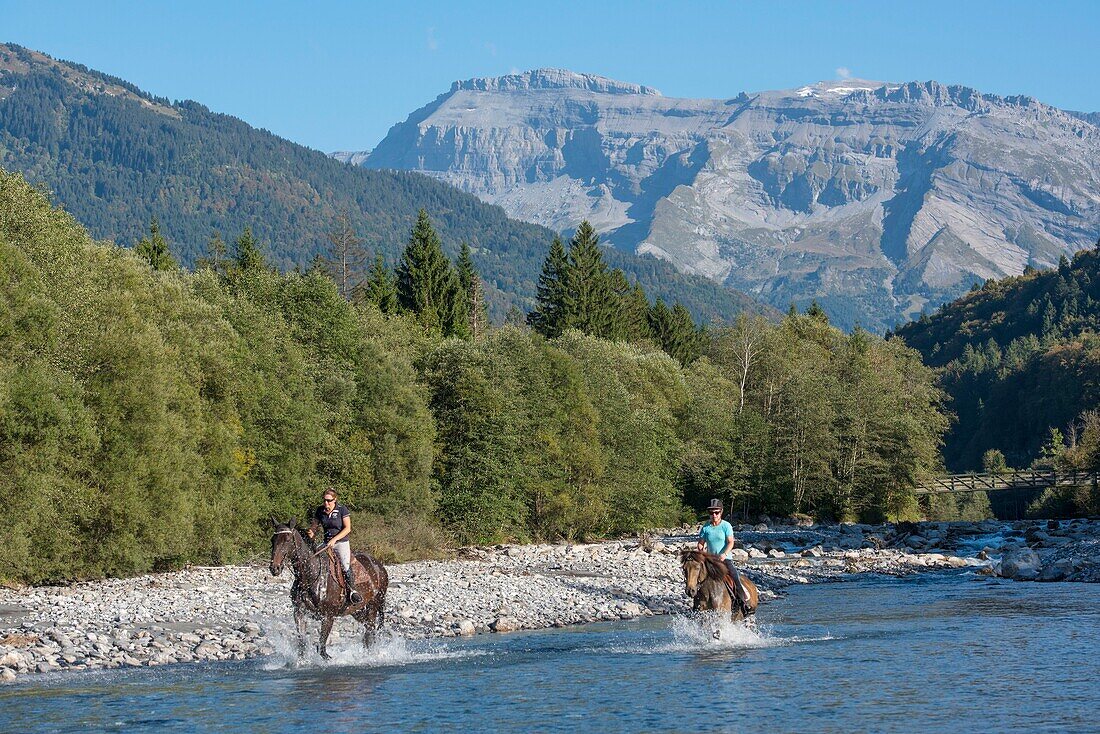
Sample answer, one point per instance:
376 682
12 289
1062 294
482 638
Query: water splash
389 649
709 632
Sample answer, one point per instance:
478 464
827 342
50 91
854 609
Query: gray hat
715 504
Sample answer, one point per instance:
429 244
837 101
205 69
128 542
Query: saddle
335 572
737 590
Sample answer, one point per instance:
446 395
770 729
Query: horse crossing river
928 653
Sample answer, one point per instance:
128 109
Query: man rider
716 536
335 519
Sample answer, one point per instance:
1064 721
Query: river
927 653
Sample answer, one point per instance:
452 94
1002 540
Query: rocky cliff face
877 199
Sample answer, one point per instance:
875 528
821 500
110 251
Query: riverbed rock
505 624
465 628
1057 571
1022 564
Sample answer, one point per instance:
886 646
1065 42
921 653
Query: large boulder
1021 564
505 624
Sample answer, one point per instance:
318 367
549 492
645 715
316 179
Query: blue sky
336 75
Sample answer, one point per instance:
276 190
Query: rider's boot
354 597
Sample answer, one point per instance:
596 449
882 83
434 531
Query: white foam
709 632
388 649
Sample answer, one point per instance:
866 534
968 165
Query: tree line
151 416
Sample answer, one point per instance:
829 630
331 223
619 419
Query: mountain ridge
879 199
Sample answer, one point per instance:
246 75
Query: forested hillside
116 157
152 417
1020 357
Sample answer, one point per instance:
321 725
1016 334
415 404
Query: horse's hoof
325 655
716 634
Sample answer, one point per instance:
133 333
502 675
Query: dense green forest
116 157
151 416
1020 358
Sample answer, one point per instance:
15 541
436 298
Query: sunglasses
330 499
716 512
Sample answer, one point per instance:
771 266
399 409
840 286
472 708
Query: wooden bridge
1026 479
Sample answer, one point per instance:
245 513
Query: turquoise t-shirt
715 536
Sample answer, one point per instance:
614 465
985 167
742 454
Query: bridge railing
991 481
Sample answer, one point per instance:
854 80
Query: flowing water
928 653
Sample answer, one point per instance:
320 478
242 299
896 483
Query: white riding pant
343 552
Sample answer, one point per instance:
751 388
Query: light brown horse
318 589
705 578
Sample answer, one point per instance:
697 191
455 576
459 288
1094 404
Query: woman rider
335 519
716 537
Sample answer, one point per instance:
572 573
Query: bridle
284 531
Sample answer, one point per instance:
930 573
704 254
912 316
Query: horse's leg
300 625
370 624
326 627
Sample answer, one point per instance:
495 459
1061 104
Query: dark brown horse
318 589
705 579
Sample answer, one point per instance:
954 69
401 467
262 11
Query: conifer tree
549 311
634 312
427 284
685 345
247 255
379 288
153 249
660 322
470 282
346 255
817 313
589 302
216 253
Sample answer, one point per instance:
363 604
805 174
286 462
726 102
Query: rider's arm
729 545
343 533
701 543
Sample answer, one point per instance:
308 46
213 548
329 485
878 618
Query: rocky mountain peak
877 199
551 79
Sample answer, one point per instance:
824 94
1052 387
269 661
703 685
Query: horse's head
694 568
283 544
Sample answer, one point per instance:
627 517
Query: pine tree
469 281
588 299
817 313
346 255
216 253
379 287
153 249
634 312
549 313
247 255
427 284
514 317
685 344
660 322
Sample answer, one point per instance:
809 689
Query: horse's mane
712 564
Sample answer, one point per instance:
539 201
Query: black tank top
332 522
